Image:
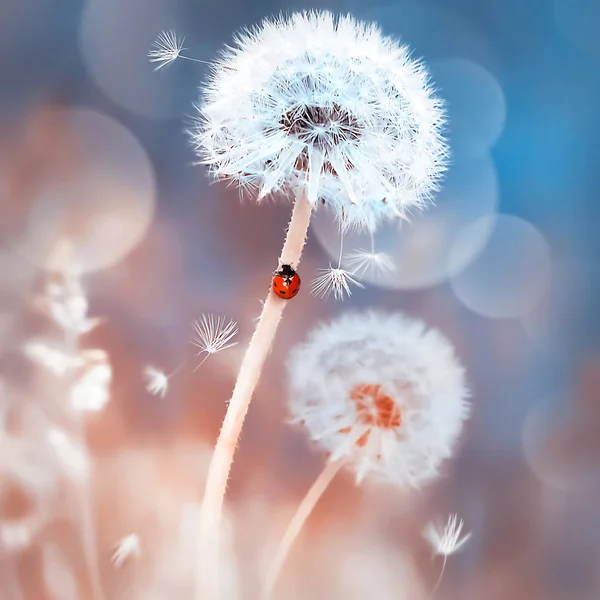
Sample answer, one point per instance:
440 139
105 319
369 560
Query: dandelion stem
295 525
248 376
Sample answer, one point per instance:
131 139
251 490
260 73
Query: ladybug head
286 271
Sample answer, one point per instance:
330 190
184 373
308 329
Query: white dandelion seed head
445 539
156 380
329 104
166 49
334 281
363 261
383 392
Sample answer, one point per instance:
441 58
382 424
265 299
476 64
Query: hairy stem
248 376
295 526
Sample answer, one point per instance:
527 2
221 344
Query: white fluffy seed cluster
381 391
329 104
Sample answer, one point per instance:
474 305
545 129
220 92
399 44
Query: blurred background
96 170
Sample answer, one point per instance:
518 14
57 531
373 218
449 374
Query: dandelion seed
127 547
362 261
445 540
157 382
166 49
213 334
334 281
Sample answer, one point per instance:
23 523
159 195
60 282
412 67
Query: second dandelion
384 395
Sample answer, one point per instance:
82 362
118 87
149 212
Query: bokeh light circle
115 38
475 105
578 22
419 249
512 272
103 206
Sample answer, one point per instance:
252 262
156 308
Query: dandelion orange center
374 408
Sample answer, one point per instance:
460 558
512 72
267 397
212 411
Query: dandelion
383 394
327 104
363 261
332 112
157 381
213 334
445 540
166 48
334 281
127 547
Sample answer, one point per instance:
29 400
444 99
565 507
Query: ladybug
286 282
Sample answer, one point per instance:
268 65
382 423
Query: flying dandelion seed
334 281
213 334
157 381
166 49
363 261
127 547
445 540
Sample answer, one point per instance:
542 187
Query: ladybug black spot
295 291
282 292
275 283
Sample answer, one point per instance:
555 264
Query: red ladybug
286 282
